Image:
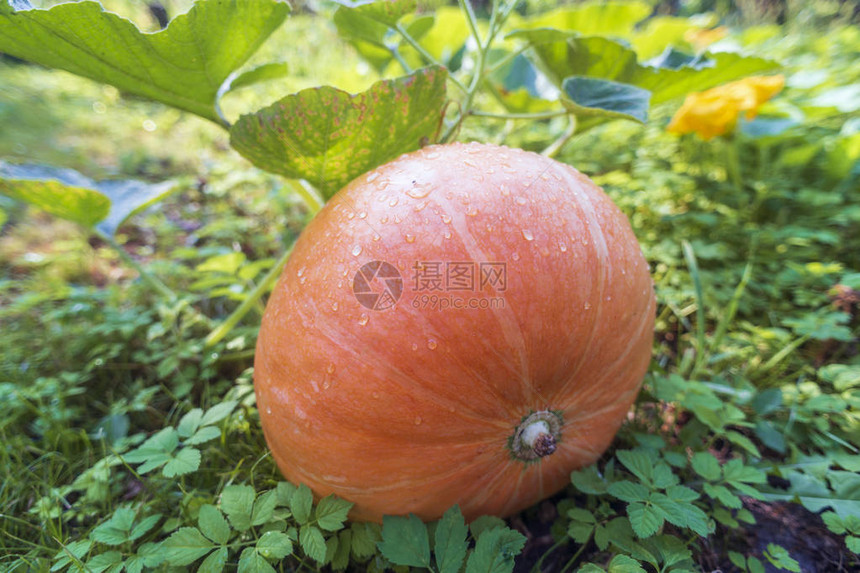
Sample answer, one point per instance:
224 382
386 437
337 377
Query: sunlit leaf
329 137
593 18
69 195
183 65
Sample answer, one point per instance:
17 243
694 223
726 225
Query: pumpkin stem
536 436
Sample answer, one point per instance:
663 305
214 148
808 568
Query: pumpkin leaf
594 18
450 537
405 541
328 136
84 39
495 550
564 54
65 193
598 98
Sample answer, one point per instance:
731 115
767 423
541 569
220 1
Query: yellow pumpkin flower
715 111
701 38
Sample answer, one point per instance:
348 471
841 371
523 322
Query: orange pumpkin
464 325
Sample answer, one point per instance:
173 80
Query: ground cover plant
146 213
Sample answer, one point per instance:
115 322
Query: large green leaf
594 18
183 65
369 28
562 55
328 136
595 97
69 195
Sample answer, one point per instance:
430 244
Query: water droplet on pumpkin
375 236
446 218
419 192
375 394
447 234
383 219
356 250
544 176
334 306
410 238
420 206
393 202
562 247
330 368
414 346
431 344
432 155
527 235
363 319
268 409
418 420
396 219
303 280
505 191
326 385
300 272
471 212
372 177
362 215
587 306
521 200
515 256
350 215
470 163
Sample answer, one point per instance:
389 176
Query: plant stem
780 356
568 134
497 19
395 53
312 200
428 57
145 275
